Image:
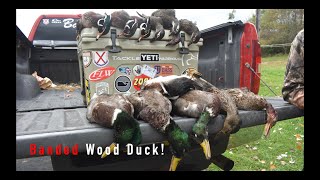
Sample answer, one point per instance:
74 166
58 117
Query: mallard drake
151 23
154 108
171 86
91 19
190 28
115 111
232 122
203 106
247 100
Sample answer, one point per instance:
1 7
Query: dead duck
91 19
131 26
201 105
232 122
190 28
169 20
152 107
115 111
247 100
151 23
171 86
121 19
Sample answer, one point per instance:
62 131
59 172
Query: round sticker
139 80
123 84
137 70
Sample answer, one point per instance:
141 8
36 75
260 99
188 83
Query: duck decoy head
195 37
104 25
130 28
175 28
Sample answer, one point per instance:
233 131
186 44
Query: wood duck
88 20
119 19
247 100
154 108
203 106
169 19
104 25
115 111
151 23
190 28
131 26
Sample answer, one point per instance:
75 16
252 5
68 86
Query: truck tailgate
58 117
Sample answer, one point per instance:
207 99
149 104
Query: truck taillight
250 54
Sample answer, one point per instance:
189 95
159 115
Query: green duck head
126 130
179 142
104 25
200 133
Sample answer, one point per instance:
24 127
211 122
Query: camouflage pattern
293 88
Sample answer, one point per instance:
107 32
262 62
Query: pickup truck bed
58 117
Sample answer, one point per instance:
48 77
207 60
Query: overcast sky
205 18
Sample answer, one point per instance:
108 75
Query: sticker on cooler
100 58
88 93
123 83
102 87
102 73
166 69
86 59
139 80
137 70
125 70
148 71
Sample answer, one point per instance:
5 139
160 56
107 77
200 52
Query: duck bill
98 36
104 154
189 43
140 38
206 148
174 163
267 128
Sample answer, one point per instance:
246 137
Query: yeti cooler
120 65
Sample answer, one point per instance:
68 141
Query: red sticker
102 73
139 80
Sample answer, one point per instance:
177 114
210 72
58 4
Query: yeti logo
150 57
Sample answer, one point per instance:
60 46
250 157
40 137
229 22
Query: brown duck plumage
194 102
119 19
101 108
247 100
88 20
167 16
152 107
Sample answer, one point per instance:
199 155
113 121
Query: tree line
279 26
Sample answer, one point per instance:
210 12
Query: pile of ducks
159 20
186 95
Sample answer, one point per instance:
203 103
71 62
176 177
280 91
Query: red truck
51 117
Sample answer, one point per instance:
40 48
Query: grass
284 149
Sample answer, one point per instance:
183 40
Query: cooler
121 65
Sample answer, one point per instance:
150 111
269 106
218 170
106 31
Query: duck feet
174 163
272 117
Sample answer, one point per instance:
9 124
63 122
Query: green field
284 149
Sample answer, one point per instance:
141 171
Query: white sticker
101 58
102 87
137 70
149 71
86 58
